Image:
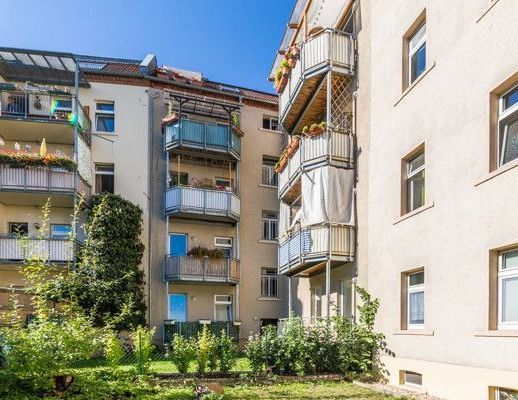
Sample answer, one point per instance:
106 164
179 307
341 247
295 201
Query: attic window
229 89
92 65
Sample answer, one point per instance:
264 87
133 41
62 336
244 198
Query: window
508 127
270 225
411 378
63 105
269 282
222 308
105 117
417 53
224 244
415 182
104 178
18 228
60 231
270 123
345 308
508 290
415 300
184 178
270 177
316 302
505 394
224 183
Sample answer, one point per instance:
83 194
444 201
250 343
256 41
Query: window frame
54 236
412 51
224 302
268 164
502 275
411 384
111 173
270 119
407 200
272 283
412 290
497 395
12 224
270 222
316 299
104 113
506 116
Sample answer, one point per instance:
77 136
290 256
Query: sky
230 41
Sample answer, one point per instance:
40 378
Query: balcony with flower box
192 269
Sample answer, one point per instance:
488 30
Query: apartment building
195 155
434 114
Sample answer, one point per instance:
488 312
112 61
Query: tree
108 283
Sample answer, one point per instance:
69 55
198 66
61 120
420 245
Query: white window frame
225 302
498 394
270 278
105 113
223 241
270 119
269 171
414 289
505 115
504 274
413 50
270 221
345 285
96 172
316 297
409 183
411 384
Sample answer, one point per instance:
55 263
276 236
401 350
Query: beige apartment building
197 156
433 103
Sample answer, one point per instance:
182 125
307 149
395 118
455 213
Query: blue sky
230 41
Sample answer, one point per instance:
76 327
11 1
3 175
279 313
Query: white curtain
284 219
327 195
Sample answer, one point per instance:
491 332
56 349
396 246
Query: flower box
30 160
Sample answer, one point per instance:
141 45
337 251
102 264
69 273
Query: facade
163 139
434 127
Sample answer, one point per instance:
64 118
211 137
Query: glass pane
266 123
105 107
507 394
416 308
104 183
104 168
416 38
510 260
178 307
274 125
511 141
511 99
61 231
223 312
416 191
18 228
418 64
510 299
416 279
415 163
105 123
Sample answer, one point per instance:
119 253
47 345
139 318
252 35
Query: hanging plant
314 129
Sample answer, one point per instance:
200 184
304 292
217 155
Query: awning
44 67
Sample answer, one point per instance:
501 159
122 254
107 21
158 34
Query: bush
182 352
113 349
206 351
143 347
226 352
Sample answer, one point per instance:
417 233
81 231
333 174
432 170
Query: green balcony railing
190 329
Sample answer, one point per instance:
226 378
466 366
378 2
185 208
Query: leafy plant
18 159
113 349
206 355
182 352
143 347
226 352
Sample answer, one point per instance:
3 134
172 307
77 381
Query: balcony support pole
328 288
237 302
290 309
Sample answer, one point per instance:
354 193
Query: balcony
198 203
191 329
16 250
306 250
35 105
201 269
209 137
330 148
327 51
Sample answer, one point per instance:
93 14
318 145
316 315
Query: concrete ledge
268 241
415 332
496 333
408 89
415 212
504 168
486 10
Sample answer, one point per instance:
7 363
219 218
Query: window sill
504 168
267 186
414 84
415 332
269 299
269 130
497 333
487 9
415 212
268 241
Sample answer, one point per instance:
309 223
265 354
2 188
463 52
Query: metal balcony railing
42 105
329 48
316 243
202 135
203 269
210 202
331 147
190 329
16 249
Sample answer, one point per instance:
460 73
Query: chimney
148 65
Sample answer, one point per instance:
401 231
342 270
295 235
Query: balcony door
178 307
177 244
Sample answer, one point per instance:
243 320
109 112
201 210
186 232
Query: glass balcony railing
203 135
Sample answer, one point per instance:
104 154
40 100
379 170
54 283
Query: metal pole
290 310
328 287
237 301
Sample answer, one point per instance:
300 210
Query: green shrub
254 353
226 352
206 350
143 347
113 349
182 352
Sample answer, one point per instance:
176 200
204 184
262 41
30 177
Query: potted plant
314 129
281 164
285 67
291 59
295 52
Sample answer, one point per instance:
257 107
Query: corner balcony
205 204
37 183
329 50
201 269
44 113
330 148
204 136
16 250
306 250
190 329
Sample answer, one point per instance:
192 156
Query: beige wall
448 110
200 233
32 215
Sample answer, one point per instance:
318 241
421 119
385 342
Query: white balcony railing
204 269
36 179
316 243
210 202
13 249
330 147
327 49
